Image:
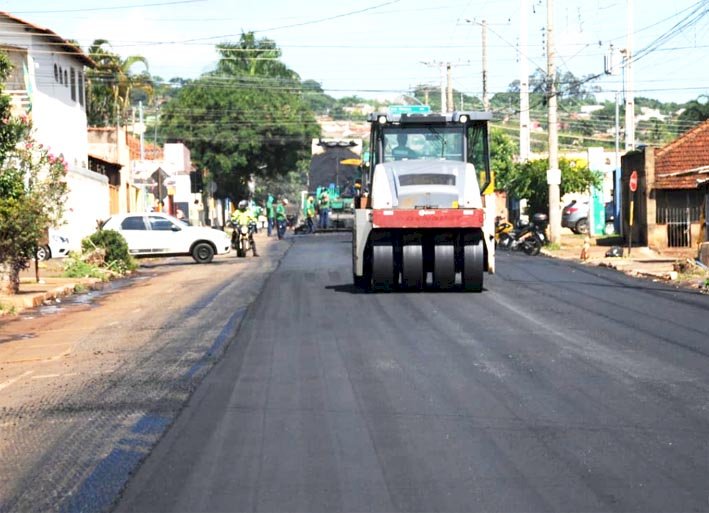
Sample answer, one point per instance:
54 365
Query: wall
87 203
642 161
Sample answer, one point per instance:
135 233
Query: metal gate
679 224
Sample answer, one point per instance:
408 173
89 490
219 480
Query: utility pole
553 173
524 136
629 94
449 84
444 106
142 138
486 101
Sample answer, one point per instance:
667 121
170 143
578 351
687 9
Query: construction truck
423 212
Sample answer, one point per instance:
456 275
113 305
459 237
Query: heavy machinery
425 212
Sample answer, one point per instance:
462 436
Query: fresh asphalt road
560 388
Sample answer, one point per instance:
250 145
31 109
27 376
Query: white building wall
88 203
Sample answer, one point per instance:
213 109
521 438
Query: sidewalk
672 265
50 288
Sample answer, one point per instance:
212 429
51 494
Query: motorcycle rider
243 216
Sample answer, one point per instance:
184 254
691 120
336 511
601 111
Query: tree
696 110
528 180
245 119
111 84
32 191
502 153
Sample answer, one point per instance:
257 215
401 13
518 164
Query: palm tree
111 84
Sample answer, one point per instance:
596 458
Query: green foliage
117 258
529 180
32 190
502 153
75 267
111 85
246 119
696 110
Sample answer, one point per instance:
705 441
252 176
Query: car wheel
582 225
43 253
203 253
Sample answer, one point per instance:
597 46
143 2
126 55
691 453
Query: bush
75 267
117 256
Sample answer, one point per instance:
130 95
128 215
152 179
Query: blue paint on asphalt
106 481
227 333
150 425
100 489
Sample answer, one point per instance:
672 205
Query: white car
158 234
57 246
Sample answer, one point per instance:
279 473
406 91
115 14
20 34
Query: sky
384 48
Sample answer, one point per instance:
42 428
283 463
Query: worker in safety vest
243 216
270 214
310 214
324 210
281 219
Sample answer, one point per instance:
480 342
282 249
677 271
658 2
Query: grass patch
553 246
80 288
7 309
74 267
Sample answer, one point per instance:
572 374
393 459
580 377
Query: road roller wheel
383 271
444 266
473 266
412 276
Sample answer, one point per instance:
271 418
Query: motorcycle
242 238
528 237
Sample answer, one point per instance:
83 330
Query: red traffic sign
633 181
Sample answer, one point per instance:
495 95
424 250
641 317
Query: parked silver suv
575 216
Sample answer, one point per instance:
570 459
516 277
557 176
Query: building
669 204
47 85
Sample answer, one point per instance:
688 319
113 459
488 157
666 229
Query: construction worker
270 214
281 219
243 216
310 213
324 210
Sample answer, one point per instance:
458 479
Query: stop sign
633 181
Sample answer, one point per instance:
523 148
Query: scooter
528 238
242 238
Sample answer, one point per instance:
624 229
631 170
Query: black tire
444 266
412 276
532 245
383 271
240 249
473 266
203 253
43 253
582 226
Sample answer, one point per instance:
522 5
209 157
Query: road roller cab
424 224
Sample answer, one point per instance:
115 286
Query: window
133 223
56 73
73 84
81 88
426 179
66 79
160 223
61 75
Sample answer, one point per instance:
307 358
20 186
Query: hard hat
285 201
243 204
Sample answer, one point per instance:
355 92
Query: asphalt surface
87 387
559 388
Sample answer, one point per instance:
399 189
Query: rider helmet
243 204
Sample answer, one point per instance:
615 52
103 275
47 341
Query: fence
679 224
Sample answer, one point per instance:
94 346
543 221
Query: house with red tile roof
670 201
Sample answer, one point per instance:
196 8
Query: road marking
46 376
9 382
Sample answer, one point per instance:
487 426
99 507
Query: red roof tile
686 153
